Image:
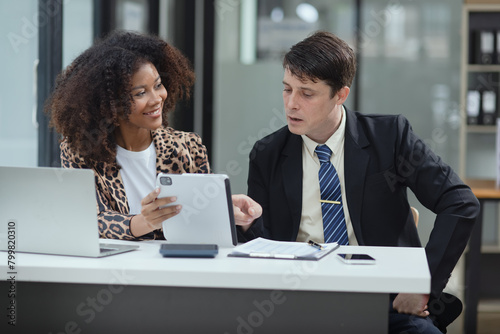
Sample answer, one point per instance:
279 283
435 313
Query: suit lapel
292 179
355 164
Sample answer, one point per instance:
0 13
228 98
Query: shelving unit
477 164
479 17
481 129
477 76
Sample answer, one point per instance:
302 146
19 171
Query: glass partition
18 56
248 73
409 63
18 87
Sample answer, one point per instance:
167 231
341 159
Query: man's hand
409 303
246 210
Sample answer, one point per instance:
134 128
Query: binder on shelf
484 47
473 106
489 107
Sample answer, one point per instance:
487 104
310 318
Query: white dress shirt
311 221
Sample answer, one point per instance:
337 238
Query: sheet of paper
272 248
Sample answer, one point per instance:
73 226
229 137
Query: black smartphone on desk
356 258
189 250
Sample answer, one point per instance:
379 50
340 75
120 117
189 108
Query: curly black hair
93 93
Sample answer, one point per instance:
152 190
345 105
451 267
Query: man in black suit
377 158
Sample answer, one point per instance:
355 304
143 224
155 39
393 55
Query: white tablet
207 214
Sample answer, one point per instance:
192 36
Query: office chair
415 214
445 309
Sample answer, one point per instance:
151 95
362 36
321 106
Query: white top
401 269
311 221
138 174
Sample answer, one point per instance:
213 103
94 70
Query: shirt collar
335 141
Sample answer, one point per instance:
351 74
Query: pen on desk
274 256
315 244
331 202
259 254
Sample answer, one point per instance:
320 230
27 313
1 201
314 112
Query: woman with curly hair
111 106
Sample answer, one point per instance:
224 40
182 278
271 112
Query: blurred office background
409 63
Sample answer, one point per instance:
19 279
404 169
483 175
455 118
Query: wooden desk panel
484 189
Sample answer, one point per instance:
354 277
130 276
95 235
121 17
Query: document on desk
270 249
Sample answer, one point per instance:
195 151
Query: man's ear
342 95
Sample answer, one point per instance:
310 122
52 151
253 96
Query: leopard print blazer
176 152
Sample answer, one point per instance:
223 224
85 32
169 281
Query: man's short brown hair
322 56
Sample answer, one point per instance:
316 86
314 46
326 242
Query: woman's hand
246 210
152 216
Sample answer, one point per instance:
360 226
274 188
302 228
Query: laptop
51 211
207 214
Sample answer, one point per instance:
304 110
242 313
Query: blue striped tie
333 214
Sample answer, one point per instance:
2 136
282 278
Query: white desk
141 291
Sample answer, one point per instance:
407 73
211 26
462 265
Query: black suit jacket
383 157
